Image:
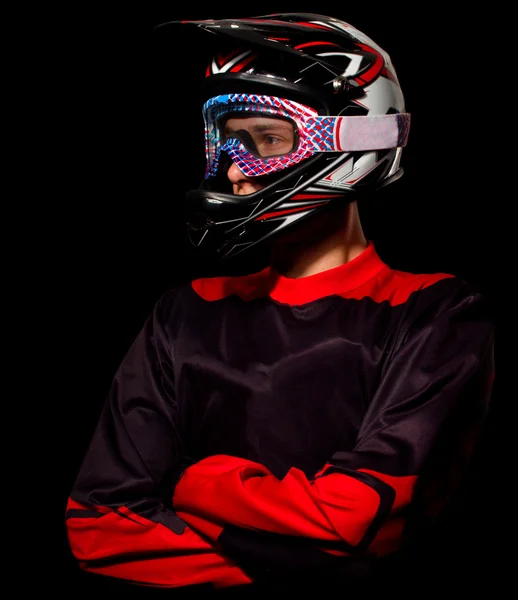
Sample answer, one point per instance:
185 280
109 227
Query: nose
241 184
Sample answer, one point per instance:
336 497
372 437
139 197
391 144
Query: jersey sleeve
119 518
411 451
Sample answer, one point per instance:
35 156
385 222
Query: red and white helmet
324 83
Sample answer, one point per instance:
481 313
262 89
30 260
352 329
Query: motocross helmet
316 111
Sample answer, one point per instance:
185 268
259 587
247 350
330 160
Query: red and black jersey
263 423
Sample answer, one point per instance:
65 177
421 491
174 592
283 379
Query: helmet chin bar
214 223
219 213
224 225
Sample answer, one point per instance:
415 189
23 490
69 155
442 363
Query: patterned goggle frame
314 133
311 134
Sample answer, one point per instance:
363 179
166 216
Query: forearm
124 545
335 508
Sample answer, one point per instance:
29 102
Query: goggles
264 134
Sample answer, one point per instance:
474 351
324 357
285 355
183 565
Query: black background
126 145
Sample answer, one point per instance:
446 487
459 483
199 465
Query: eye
273 144
272 140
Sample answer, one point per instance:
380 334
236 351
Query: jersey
264 424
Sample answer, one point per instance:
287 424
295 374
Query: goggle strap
375 132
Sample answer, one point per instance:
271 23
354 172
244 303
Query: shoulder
439 289
398 286
447 307
172 302
424 298
185 297
246 287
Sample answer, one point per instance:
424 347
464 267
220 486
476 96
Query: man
305 423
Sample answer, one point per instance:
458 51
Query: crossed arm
127 518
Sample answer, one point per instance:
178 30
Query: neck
326 241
